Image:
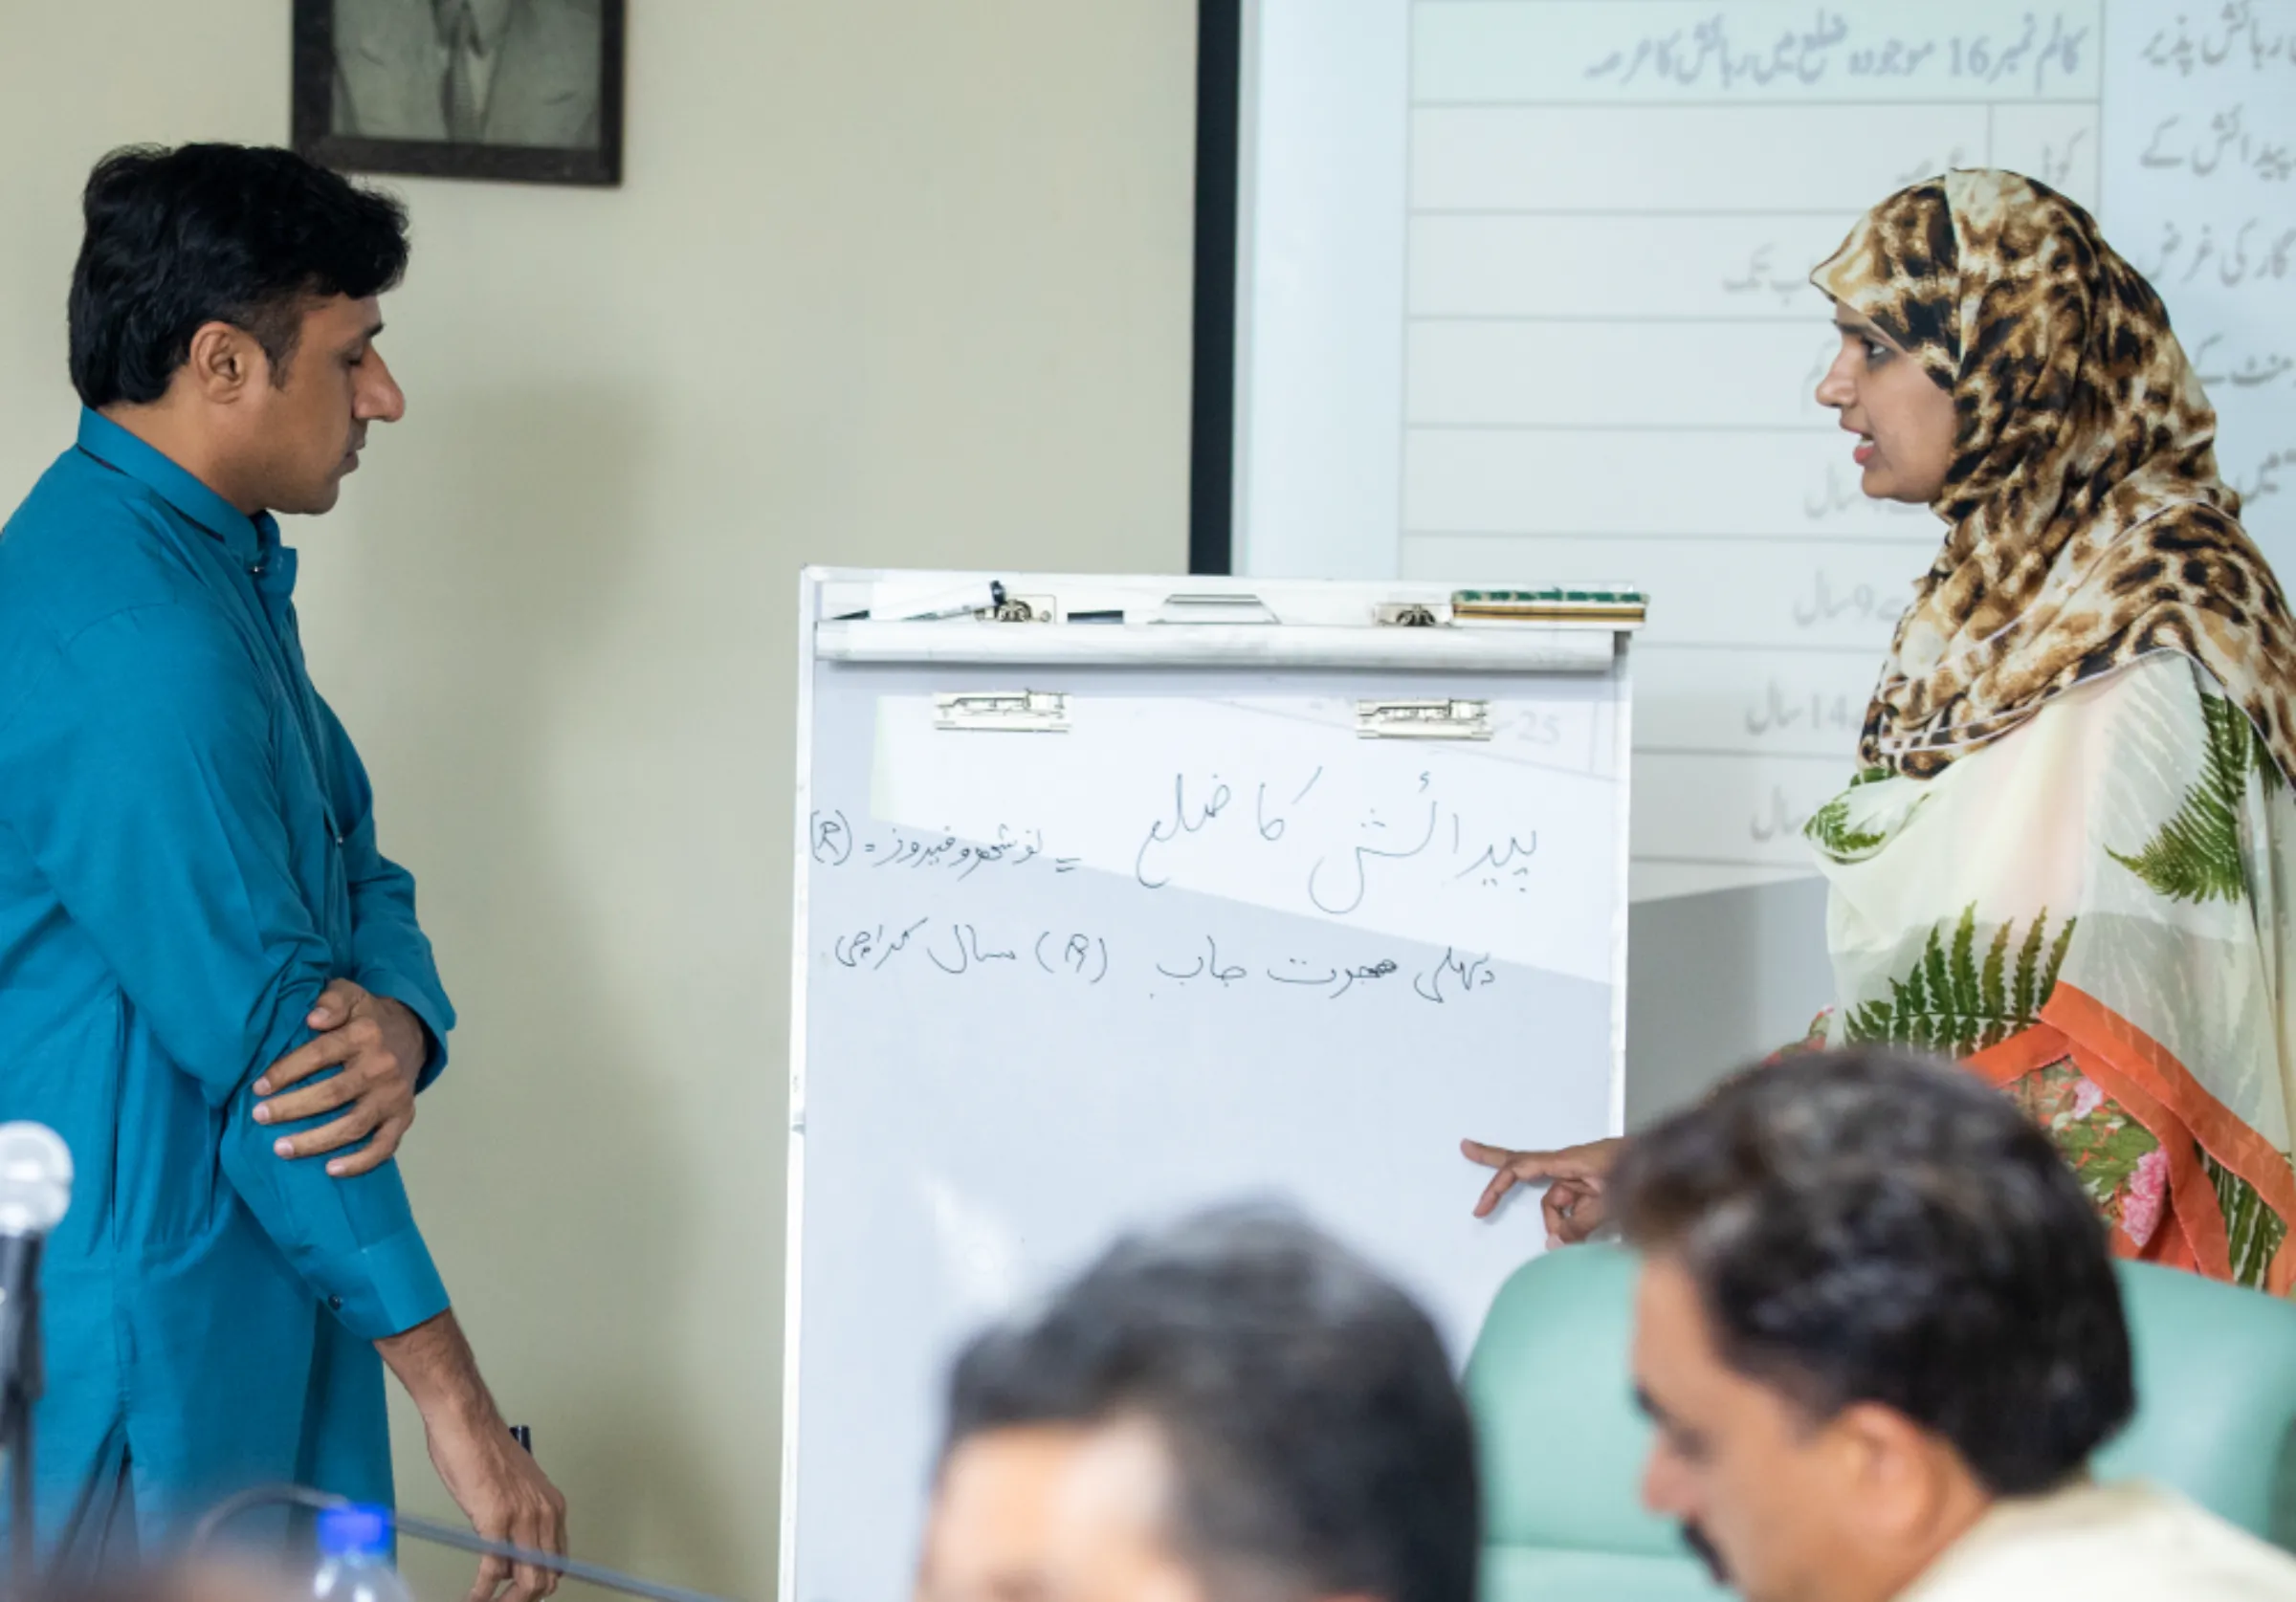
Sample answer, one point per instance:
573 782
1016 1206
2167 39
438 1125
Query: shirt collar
249 539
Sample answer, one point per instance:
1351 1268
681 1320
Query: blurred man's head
223 308
1873 1300
1234 1410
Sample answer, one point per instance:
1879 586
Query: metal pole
446 1535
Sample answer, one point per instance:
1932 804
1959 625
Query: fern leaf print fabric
2089 912
2067 857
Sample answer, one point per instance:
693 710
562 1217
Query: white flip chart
1100 921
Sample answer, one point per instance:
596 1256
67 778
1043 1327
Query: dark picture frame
316 136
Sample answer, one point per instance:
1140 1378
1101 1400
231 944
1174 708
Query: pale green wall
900 283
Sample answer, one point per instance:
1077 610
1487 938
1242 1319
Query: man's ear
224 363
1906 1478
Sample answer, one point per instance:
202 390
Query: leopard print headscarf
2085 523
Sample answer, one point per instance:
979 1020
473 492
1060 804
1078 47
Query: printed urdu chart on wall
1607 361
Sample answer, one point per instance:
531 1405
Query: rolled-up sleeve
144 791
391 953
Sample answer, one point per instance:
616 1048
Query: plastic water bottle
354 1558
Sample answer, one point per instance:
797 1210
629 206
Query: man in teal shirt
194 915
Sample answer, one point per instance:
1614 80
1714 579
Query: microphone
35 1178
35 1188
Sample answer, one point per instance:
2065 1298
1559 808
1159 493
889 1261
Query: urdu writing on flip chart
1609 354
1441 846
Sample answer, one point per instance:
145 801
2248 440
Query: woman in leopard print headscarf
2069 856
2088 526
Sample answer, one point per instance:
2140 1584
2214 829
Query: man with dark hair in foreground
209 972
1880 1335
1234 1410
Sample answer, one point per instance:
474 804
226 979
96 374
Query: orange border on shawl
2197 1242
2162 1093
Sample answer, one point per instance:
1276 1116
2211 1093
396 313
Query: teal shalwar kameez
186 858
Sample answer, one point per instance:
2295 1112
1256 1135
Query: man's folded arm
140 776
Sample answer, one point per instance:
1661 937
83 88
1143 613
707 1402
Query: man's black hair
1864 1227
215 233
1317 1442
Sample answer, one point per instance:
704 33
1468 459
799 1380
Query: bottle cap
354 1532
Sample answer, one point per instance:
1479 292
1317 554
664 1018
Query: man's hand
494 1479
1575 1176
506 1496
382 1047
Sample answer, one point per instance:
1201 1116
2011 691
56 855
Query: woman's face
1904 422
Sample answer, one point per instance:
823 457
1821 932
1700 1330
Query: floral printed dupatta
2091 911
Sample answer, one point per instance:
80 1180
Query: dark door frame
1212 403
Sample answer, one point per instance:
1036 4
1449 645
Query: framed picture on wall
528 91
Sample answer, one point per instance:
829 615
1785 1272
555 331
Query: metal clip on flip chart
1410 614
1423 720
1012 712
1216 606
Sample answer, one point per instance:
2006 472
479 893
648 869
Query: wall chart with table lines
1608 341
